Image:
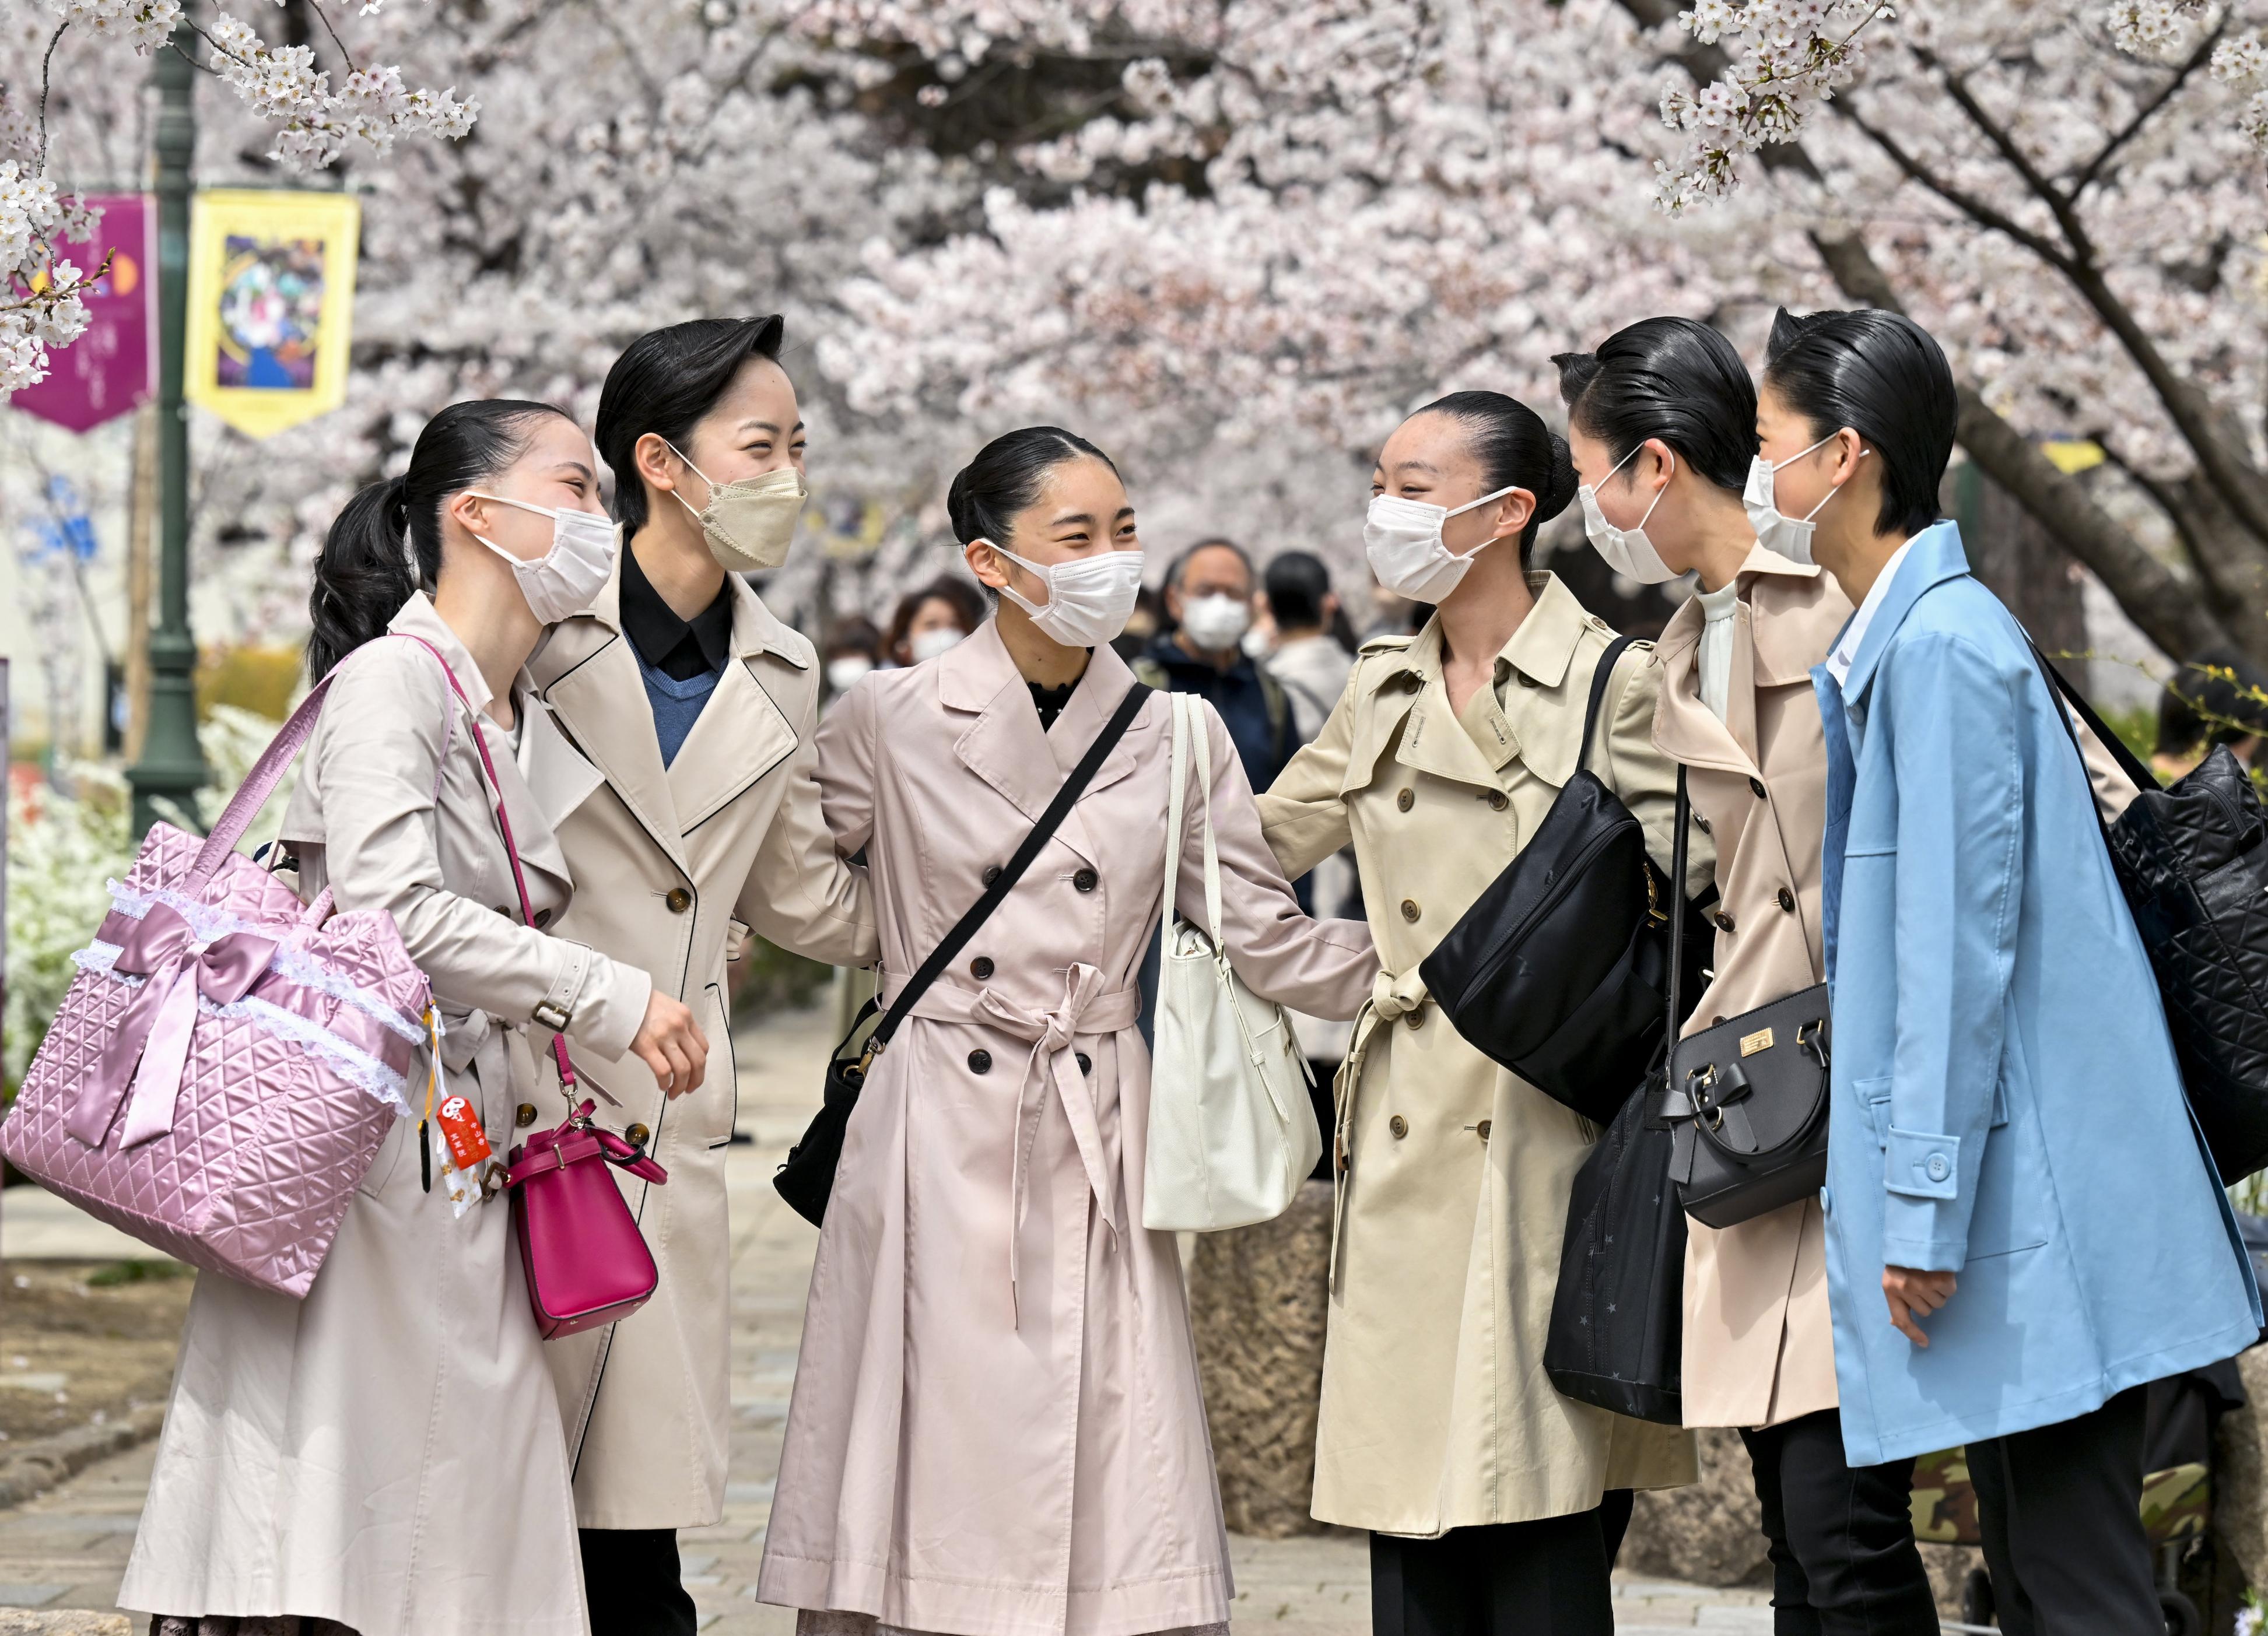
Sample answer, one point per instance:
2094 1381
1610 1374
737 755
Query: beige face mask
750 525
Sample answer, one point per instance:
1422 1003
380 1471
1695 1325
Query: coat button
524 1115
980 1062
1724 921
1701 824
1083 881
1399 1126
1526 680
1499 801
679 900
991 875
1411 911
504 909
1787 900
1413 682
1483 1128
1406 800
981 969
1086 1063
1938 1169
543 918
1757 784
637 1135
1416 1019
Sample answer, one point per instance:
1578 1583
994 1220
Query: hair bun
1562 481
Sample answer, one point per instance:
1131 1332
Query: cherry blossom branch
2205 50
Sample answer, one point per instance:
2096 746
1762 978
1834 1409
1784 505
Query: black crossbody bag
1748 1099
806 1179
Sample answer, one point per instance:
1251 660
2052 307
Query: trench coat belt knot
1087 1009
1393 996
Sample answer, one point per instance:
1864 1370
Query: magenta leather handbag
587 1262
227 1061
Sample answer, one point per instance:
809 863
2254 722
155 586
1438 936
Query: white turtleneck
1717 608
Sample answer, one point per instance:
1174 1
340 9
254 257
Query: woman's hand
1914 1295
671 1043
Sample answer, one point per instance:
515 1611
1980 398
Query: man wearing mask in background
1208 609
695 818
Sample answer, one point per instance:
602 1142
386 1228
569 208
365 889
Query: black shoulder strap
1599 679
1012 870
1683 820
2128 763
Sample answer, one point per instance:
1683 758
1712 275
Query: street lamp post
172 767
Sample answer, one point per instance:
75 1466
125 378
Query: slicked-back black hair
1882 374
1516 449
1005 478
1675 378
665 383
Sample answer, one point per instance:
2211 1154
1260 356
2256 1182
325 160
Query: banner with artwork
271 306
112 366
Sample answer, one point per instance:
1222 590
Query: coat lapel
1546 693
1937 555
1004 747
1684 728
597 693
1092 703
741 733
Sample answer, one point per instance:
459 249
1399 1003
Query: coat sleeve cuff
611 1005
1923 1165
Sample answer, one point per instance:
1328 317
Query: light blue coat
2005 1099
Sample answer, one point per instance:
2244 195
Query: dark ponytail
1674 378
386 543
1006 476
1516 449
1882 374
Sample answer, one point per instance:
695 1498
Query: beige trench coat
387 1453
1454 1186
997 1429
1759 1348
730 829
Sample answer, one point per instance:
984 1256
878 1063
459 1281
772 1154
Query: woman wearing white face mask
319 1455
1494 1504
1659 419
997 1429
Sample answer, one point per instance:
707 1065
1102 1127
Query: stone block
63 1622
1707 1533
1259 1300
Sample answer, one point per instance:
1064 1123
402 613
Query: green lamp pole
172 767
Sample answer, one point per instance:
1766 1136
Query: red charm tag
460 1128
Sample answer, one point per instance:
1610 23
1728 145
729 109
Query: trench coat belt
1087 1009
1392 998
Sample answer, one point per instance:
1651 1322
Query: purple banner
112 367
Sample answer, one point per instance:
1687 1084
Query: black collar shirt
680 648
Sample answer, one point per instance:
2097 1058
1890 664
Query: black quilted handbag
2195 873
1559 970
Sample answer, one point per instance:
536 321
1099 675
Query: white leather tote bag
1232 1131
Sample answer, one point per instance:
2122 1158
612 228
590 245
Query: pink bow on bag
162 949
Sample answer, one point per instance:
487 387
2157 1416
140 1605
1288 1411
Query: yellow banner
271 306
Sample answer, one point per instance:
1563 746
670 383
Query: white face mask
563 579
1790 536
1402 538
842 672
1626 550
1214 623
928 643
1089 598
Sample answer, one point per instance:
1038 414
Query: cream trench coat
997 1429
1454 1177
387 1453
731 829
1759 1348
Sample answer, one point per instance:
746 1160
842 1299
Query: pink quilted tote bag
227 1060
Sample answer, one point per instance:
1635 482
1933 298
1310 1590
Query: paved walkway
68 1548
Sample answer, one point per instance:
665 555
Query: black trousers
1840 1539
1546 1578
2060 1510
630 1580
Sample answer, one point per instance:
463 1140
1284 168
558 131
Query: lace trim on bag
358 1068
295 964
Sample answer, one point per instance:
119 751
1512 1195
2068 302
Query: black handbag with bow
1560 970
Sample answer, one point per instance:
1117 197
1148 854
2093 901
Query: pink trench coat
965 1455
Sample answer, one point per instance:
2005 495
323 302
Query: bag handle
260 783
1192 742
567 1080
1682 819
1012 871
1599 679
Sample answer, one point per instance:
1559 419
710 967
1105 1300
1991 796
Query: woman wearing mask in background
693 707
997 1429
1659 419
854 647
1489 1496
384 1456
934 618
